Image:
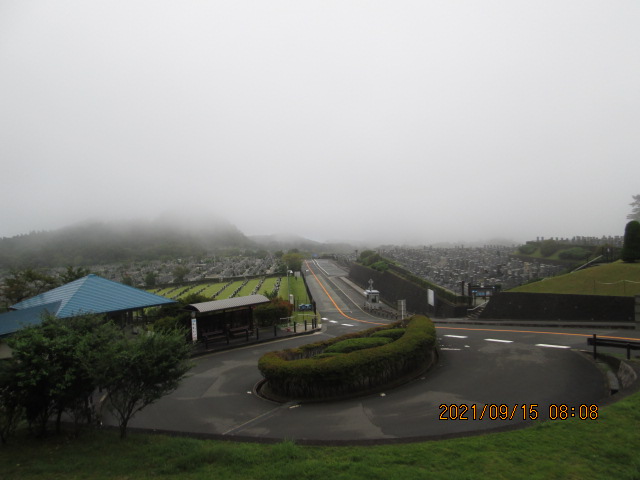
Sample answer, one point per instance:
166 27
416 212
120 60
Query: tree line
79 368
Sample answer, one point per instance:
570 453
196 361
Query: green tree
293 261
58 365
631 246
635 206
135 372
150 279
369 257
11 410
271 313
179 273
52 371
23 284
72 274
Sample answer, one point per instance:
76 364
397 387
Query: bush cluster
353 344
393 333
576 253
549 247
271 313
294 373
527 249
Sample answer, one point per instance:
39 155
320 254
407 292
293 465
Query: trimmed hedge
353 344
394 333
294 373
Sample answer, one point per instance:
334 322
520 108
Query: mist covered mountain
95 242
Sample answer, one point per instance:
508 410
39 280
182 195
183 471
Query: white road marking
498 340
346 324
454 349
333 321
551 346
456 336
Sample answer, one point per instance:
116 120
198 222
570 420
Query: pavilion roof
93 294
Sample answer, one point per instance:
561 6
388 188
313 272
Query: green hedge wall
353 344
295 374
394 333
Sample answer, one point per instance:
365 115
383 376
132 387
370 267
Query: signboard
483 290
431 298
194 329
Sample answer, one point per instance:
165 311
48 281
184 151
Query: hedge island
353 364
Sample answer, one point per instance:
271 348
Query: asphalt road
492 377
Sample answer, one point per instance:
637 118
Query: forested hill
99 243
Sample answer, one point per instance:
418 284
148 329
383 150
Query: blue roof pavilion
94 294
90 294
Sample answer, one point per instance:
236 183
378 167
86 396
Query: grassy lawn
599 280
293 286
608 447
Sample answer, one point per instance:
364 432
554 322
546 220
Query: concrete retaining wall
393 288
546 306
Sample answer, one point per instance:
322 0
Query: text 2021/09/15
494 411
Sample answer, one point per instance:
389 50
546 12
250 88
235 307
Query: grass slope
608 447
617 279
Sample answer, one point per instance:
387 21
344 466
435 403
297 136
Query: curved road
505 376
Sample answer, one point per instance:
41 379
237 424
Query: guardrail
609 342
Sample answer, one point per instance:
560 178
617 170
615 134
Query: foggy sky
390 121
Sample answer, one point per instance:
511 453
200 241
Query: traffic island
351 365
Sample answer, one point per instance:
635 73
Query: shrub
270 313
369 257
576 253
393 333
353 344
527 249
326 355
380 266
166 323
549 247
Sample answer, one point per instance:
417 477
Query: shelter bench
234 331
211 335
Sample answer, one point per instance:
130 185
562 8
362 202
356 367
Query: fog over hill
94 242
168 236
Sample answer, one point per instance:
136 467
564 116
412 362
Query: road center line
551 346
497 340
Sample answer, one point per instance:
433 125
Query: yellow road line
333 301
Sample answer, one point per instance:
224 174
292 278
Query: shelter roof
229 303
13 321
93 294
